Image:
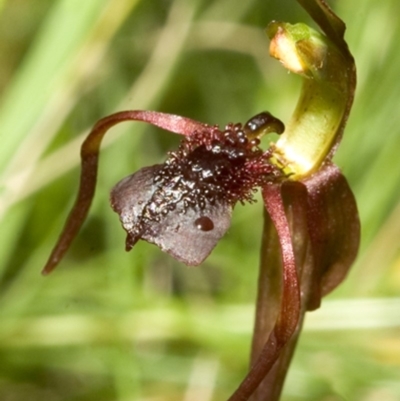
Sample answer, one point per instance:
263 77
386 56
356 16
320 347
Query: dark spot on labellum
204 223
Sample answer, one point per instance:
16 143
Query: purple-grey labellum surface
157 214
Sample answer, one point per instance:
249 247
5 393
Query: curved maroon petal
334 225
89 165
290 309
289 313
324 220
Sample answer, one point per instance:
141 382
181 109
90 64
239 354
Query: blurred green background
111 325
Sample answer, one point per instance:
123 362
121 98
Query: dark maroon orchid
184 206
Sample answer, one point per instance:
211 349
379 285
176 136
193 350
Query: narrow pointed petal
289 313
89 166
328 21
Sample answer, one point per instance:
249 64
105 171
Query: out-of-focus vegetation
109 325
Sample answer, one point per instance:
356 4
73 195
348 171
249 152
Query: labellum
184 206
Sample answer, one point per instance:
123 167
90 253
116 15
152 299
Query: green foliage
109 325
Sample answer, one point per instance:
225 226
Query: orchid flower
184 205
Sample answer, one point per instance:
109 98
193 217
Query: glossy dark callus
204 223
263 123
